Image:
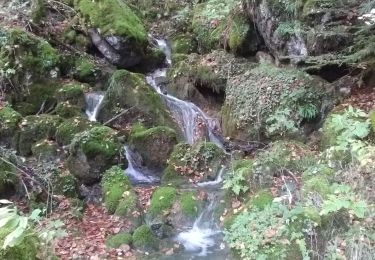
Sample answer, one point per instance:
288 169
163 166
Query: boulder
201 162
268 101
92 152
128 90
33 129
144 239
9 119
115 30
68 128
154 145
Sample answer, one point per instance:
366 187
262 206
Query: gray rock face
117 50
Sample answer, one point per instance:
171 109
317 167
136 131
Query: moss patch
72 93
113 18
45 150
118 240
35 128
66 110
144 239
115 186
66 131
162 200
189 204
260 200
9 119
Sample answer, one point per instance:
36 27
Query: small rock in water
169 252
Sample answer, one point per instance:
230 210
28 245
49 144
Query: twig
119 115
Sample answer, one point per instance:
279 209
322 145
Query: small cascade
137 173
201 238
93 102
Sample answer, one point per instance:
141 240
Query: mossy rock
129 209
162 200
66 110
189 204
27 249
34 58
125 90
74 93
92 152
35 128
112 18
115 186
372 118
67 129
201 157
144 239
154 145
45 150
118 240
39 97
9 119
66 184
85 70
183 44
275 94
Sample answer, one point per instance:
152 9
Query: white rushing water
201 238
137 173
93 102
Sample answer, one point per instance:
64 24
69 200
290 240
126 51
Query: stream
204 239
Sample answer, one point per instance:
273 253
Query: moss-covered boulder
162 200
218 23
85 70
9 119
117 32
268 101
92 152
36 98
27 57
183 44
114 184
201 161
126 90
118 240
154 145
45 150
69 127
66 110
144 239
65 183
35 128
73 93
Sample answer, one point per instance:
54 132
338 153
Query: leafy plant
280 123
343 199
236 179
268 233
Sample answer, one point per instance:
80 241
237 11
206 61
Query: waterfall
137 173
93 102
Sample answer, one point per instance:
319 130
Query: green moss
9 119
66 110
118 240
189 204
372 118
144 239
72 93
127 205
113 18
28 248
35 128
97 140
115 186
162 200
65 183
85 70
260 200
66 131
183 44
146 102
45 149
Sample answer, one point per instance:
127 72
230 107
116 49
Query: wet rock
92 152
